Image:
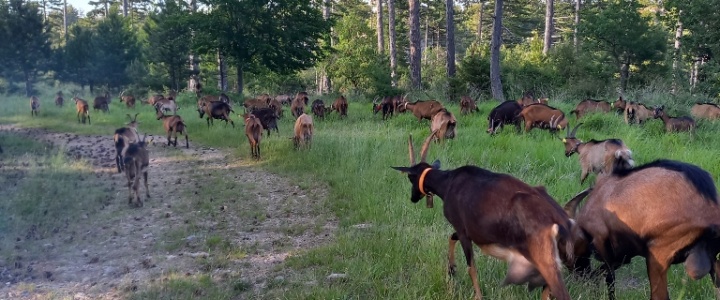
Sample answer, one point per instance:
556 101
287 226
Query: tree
495 82
114 49
77 50
380 35
578 6
549 14
450 40
619 30
27 55
167 36
415 52
391 41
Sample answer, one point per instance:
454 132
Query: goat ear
406 170
436 164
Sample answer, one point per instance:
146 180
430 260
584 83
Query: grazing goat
82 108
467 105
216 110
637 112
665 211
674 123
284 99
542 116
155 98
505 113
590 105
302 96
443 123
424 109
254 103
507 218
705 110
340 106
303 132
128 99
59 100
102 103
173 125
268 118
123 138
297 107
318 108
135 163
599 157
253 131
277 107
210 98
386 105
34 106
166 105
526 99
620 105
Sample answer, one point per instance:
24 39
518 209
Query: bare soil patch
209 214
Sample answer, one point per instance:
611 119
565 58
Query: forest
485 49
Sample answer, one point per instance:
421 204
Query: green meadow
402 254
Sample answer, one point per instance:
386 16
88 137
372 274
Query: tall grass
402 255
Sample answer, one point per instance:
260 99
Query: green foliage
168 43
74 66
114 48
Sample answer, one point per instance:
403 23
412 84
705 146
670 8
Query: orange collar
422 180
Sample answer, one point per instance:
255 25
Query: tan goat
136 163
253 131
123 138
443 123
637 112
303 131
83 110
599 157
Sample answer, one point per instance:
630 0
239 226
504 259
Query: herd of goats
666 211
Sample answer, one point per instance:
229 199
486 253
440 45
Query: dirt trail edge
209 215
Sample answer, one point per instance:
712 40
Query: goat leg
466 244
452 241
145 179
657 273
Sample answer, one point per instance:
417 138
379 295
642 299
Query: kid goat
598 156
506 217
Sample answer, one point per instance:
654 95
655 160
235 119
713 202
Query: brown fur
34 106
637 113
216 110
319 109
589 105
284 99
619 105
102 103
277 107
82 108
674 123
443 123
128 99
303 132
59 100
253 131
387 105
173 125
599 157
152 99
253 103
544 117
467 105
297 107
424 109
123 138
340 106
136 163
710 111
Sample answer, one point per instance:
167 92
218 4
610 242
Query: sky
80 5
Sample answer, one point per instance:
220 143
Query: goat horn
129 117
426 145
411 151
572 206
572 134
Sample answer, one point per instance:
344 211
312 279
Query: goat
507 218
173 125
166 105
216 110
424 109
277 107
129 100
666 211
674 123
526 99
590 105
302 96
151 101
318 108
637 112
34 106
102 103
253 131
82 108
136 162
444 124
340 106
284 99
705 110
505 113
211 98
268 118
59 100
123 138
303 132
467 105
297 107
253 103
620 105
542 116
386 105
599 157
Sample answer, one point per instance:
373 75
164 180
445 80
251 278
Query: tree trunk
576 41
194 80
380 35
415 51
450 39
125 8
624 76
676 52
327 85
549 28
107 11
480 22
65 32
240 80
391 36
425 42
44 10
495 82
222 72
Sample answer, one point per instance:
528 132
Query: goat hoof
451 270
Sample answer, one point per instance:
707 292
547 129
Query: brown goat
254 103
444 124
135 163
619 105
340 106
284 99
276 106
599 157
665 211
59 100
216 110
386 105
128 99
637 113
297 107
123 138
706 110
151 101
166 105
82 108
674 123
424 109
507 218
34 106
253 131
173 125
589 105
212 98
102 103
303 131
319 109
467 105
542 116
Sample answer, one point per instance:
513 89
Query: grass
402 255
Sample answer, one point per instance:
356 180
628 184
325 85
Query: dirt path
209 214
